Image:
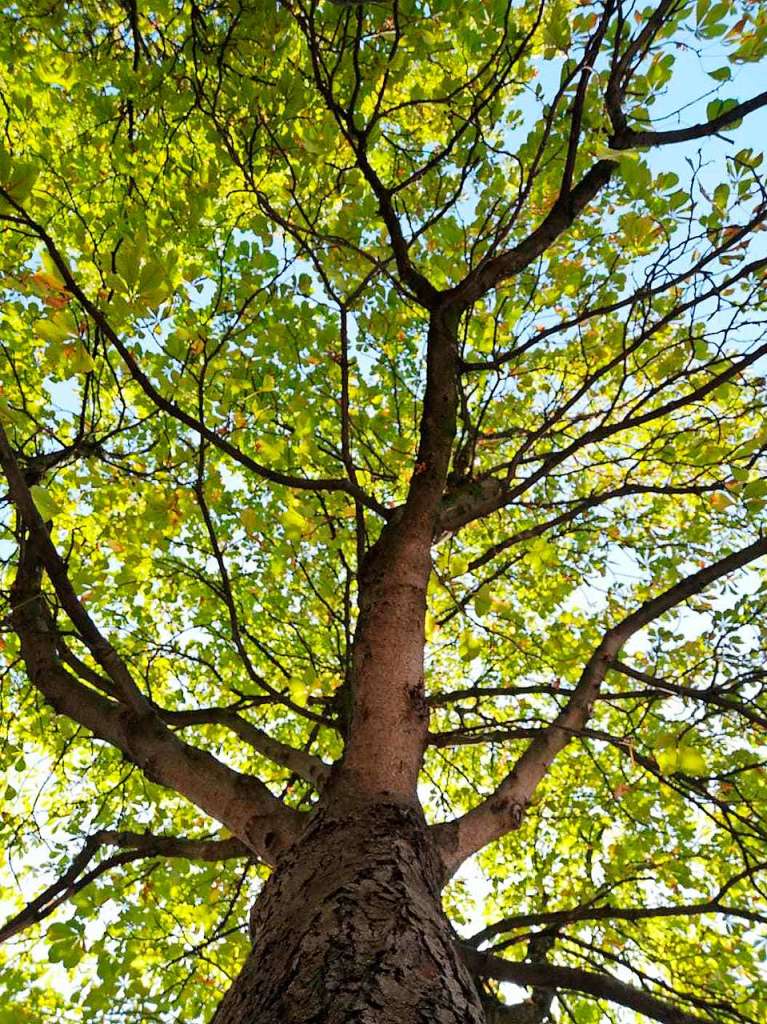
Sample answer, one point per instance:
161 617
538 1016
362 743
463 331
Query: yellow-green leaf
691 762
668 759
45 504
79 359
483 600
249 519
294 523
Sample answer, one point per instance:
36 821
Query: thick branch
135 845
56 569
308 767
503 810
241 802
463 510
600 986
669 284
169 406
624 64
389 719
630 139
563 213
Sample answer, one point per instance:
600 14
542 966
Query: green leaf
471 647
721 501
18 178
152 275
58 951
430 626
293 523
79 359
305 284
483 600
45 504
678 199
12 416
718 107
691 762
299 691
541 553
63 930
606 153
67 949
755 489
249 519
668 759
127 264
313 142
556 27
72 956
53 332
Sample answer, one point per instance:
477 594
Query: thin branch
135 845
169 406
600 986
628 138
241 802
611 913
503 810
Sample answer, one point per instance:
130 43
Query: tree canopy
230 233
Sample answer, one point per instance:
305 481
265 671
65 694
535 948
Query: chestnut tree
383 435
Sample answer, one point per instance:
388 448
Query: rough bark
349 928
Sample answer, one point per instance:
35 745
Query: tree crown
282 280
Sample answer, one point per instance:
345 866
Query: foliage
224 232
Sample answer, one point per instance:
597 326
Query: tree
383 428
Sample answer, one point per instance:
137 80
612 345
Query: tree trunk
349 928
